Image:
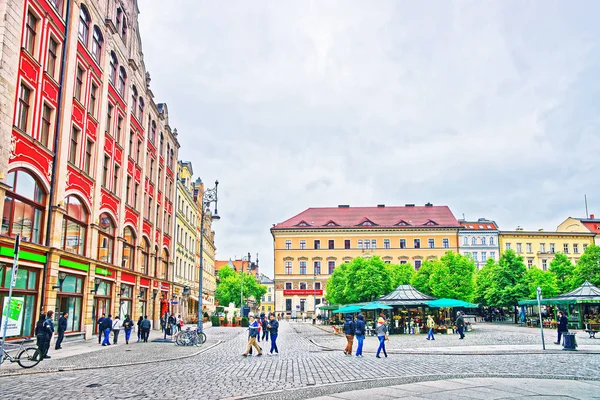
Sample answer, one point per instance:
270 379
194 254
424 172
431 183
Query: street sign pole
13 280
539 298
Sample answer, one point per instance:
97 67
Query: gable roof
363 217
405 295
479 225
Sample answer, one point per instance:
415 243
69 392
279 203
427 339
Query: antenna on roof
464 216
586 207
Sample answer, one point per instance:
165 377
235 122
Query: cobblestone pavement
302 371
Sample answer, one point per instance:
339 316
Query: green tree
588 267
508 279
546 280
484 280
229 289
401 274
453 277
361 280
564 271
420 280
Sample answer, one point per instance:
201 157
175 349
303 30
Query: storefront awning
205 302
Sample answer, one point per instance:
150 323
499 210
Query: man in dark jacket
106 328
349 330
360 334
253 332
48 328
145 326
100 331
563 325
273 327
62 327
265 331
460 324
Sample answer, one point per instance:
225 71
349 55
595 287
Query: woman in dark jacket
360 334
43 342
139 326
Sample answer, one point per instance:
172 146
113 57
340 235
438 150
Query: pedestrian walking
170 326
381 330
43 340
139 328
431 326
360 334
145 327
273 327
253 331
106 328
265 331
62 327
127 327
116 329
460 324
563 325
349 330
99 324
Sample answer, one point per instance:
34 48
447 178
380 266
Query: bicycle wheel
177 339
29 357
201 337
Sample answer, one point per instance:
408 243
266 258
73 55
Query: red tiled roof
592 224
479 225
369 217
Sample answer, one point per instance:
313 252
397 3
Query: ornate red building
89 183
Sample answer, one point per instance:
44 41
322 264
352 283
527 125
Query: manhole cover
94 385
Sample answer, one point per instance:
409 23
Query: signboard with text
308 292
14 312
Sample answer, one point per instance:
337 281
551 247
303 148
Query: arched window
128 249
466 241
171 155
134 96
112 74
491 240
160 147
483 240
122 80
474 241
145 256
106 238
165 267
124 28
24 207
167 154
153 131
84 25
141 109
97 42
119 18
74 230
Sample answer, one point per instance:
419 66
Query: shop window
128 249
69 300
74 229
25 288
106 238
24 207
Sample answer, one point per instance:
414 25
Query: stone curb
68 369
464 352
374 383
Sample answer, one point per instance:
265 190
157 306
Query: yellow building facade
538 248
267 302
309 246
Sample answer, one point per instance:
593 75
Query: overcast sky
489 107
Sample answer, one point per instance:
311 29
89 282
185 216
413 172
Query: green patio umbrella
376 306
448 303
350 309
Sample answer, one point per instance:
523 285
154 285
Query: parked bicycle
190 337
27 357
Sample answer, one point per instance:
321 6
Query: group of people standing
106 326
357 329
269 327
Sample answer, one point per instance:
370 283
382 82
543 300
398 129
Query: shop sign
302 292
14 313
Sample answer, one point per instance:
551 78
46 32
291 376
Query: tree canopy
401 274
484 281
453 277
229 288
503 284
563 269
588 267
420 280
546 280
358 281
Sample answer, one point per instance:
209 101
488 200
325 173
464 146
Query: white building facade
479 240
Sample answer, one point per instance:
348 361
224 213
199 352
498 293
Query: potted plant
225 321
215 320
244 322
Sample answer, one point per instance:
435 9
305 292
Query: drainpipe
55 160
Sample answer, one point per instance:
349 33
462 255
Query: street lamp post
315 292
539 298
209 196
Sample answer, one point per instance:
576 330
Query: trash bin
569 342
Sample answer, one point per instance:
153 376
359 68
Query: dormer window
402 223
430 223
367 222
303 223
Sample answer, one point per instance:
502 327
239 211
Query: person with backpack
273 327
265 331
127 327
253 333
349 330
139 328
99 324
116 329
145 326
62 327
107 324
381 330
360 334
43 341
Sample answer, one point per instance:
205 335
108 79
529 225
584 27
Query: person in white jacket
116 328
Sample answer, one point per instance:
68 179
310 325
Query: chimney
343 206
428 205
409 205
380 205
592 216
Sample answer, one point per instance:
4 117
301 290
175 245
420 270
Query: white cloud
489 107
